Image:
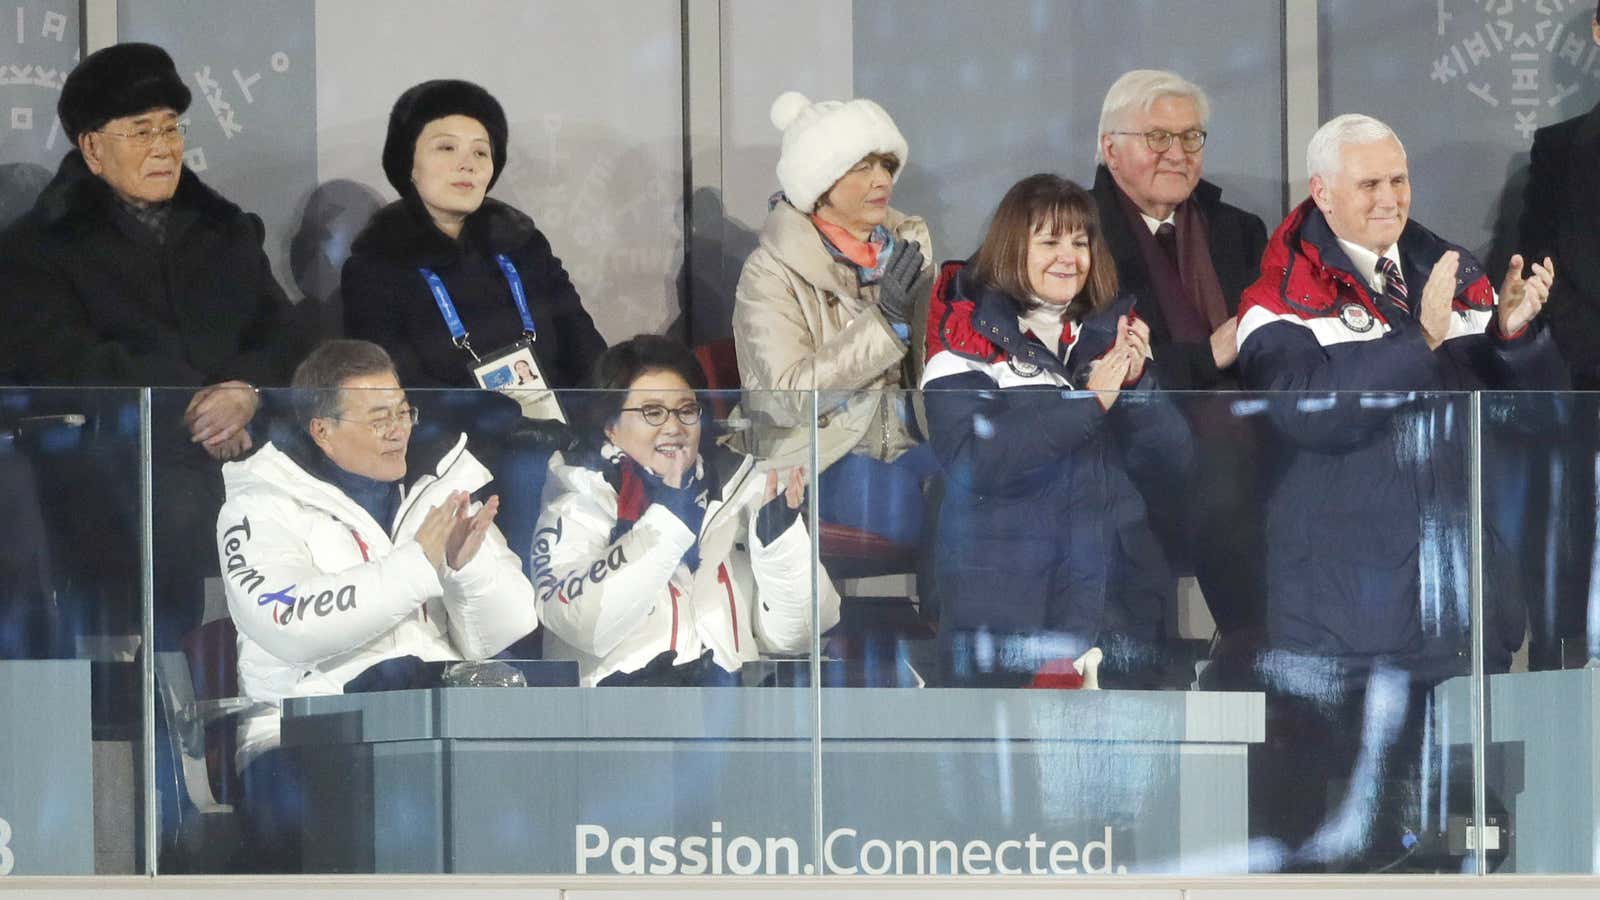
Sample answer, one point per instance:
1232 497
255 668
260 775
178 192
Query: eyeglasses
146 137
404 417
1158 140
655 414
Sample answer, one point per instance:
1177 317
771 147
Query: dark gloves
775 518
896 298
541 434
681 502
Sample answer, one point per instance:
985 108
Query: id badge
514 371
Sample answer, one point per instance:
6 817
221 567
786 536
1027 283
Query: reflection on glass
1539 503
364 552
71 748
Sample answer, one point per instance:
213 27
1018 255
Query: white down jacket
320 591
613 602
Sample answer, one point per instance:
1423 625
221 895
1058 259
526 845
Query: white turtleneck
1045 323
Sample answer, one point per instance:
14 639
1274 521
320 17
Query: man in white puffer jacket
336 557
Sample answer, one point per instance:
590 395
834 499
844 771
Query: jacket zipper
883 413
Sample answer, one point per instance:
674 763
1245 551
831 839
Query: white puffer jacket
614 605
320 591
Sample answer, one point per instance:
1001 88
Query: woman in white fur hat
831 300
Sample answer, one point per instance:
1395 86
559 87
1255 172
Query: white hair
1138 91
1322 154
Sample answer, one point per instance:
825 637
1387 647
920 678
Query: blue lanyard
447 307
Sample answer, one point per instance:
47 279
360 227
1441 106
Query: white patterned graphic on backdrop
1520 58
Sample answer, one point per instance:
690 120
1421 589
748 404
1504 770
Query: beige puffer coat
801 322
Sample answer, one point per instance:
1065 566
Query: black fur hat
434 100
120 80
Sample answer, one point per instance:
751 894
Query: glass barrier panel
380 559
1542 659
1150 633
71 723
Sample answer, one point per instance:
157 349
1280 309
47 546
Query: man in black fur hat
128 271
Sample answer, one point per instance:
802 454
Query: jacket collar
287 463
1306 236
790 237
403 233
994 317
1106 189
77 199
1419 250
722 467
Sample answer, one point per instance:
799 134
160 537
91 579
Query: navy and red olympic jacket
1039 494
1367 527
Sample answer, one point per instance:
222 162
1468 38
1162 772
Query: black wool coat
92 297
387 300
1561 219
1237 239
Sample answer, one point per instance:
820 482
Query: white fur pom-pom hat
821 141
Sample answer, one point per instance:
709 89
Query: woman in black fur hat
455 284
445 244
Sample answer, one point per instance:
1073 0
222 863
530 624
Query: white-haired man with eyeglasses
344 545
128 271
1373 328
1187 256
1182 251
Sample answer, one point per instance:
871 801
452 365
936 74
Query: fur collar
402 233
77 198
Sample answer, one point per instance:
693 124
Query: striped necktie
1394 284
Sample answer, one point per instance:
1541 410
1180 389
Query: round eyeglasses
1158 140
404 417
656 414
146 137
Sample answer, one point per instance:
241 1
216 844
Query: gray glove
895 296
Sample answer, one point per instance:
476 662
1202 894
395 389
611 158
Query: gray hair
1139 90
1322 154
317 381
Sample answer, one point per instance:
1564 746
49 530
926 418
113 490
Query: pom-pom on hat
116 81
434 100
821 141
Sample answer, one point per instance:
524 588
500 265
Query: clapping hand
794 487
1133 334
449 535
467 531
1522 299
896 297
1437 297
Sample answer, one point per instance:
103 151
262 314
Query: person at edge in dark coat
1561 220
130 272
1367 527
1187 256
1044 548
446 245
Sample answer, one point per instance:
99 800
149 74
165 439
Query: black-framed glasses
1158 140
146 137
406 416
656 414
